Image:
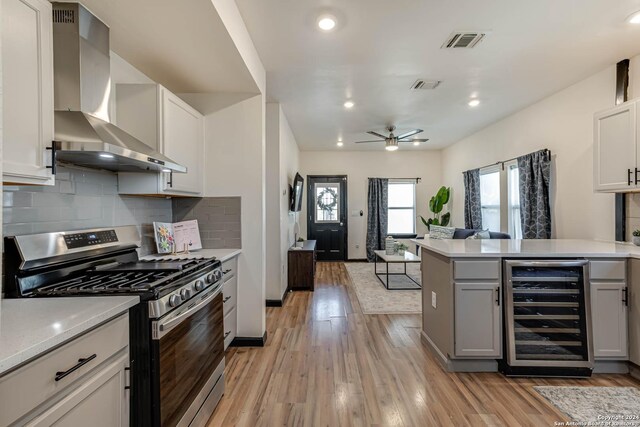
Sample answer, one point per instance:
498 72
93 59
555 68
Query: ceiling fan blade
414 140
377 134
405 135
363 142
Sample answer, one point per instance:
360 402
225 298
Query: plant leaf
445 219
424 221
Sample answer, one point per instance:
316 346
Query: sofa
463 233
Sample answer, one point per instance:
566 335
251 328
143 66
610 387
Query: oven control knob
209 278
217 274
185 294
199 285
175 300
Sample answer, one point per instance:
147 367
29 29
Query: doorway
327 215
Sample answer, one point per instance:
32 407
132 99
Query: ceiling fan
391 141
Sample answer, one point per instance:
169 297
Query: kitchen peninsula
475 297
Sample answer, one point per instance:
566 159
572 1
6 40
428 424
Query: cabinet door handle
226 334
625 296
226 299
170 182
81 362
498 295
53 148
636 177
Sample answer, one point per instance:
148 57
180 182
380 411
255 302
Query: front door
327 213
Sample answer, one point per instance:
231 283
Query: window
402 208
490 198
500 199
327 202
513 184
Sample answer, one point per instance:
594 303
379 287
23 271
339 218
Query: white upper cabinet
170 126
615 157
27 84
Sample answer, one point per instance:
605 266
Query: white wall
360 165
562 123
282 159
234 155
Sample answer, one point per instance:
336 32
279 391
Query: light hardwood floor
327 364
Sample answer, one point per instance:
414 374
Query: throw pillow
482 234
439 232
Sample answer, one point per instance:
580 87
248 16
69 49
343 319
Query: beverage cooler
547 318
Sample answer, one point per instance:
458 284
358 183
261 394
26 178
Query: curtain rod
406 179
502 162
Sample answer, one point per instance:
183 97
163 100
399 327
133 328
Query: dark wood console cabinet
302 266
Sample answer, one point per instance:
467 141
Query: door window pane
490 200
327 202
401 208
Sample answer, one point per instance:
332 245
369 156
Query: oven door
188 348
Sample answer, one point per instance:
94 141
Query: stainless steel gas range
176 332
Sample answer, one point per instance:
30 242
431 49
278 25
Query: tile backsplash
218 219
81 198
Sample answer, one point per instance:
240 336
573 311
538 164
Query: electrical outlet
357 246
434 302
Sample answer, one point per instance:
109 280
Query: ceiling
181 44
380 47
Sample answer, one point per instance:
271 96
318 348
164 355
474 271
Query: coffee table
395 259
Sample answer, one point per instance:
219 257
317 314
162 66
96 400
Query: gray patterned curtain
377 219
472 207
534 171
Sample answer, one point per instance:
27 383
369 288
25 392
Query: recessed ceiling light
634 18
416 143
340 144
106 155
349 104
474 103
327 22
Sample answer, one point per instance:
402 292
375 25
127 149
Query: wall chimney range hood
84 135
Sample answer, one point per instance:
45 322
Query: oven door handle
164 326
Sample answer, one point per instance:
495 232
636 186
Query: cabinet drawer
608 270
476 269
28 387
230 268
230 327
230 294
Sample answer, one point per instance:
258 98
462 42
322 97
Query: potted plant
436 205
300 242
636 237
401 248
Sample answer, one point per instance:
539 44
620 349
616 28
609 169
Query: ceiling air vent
422 84
61 16
463 40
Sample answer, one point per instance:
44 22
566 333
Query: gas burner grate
107 282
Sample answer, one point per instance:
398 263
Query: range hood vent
422 84
83 134
463 39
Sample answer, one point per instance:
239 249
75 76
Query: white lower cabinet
478 329
230 298
609 320
83 382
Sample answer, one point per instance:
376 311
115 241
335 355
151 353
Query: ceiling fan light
391 147
416 143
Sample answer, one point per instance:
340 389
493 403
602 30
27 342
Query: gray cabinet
477 327
92 392
634 311
609 314
230 299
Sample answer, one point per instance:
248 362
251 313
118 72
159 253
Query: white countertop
473 248
221 254
30 327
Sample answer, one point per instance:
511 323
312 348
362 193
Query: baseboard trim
357 260
249 341
278 302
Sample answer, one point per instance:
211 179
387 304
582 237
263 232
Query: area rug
596 405
375 299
